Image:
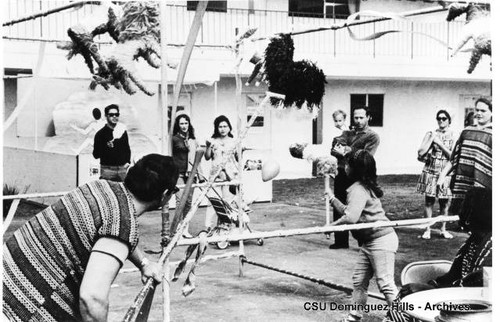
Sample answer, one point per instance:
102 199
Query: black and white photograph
247 160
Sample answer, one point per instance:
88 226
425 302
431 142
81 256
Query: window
375 103
218 6
319 8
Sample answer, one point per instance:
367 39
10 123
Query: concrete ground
260 294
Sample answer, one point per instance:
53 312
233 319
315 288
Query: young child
378 246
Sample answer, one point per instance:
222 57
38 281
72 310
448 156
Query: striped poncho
471 161
44 261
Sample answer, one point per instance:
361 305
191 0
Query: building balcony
413 42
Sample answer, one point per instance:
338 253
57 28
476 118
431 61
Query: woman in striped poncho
59 266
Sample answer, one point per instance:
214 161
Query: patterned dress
434 164
221 150
44 261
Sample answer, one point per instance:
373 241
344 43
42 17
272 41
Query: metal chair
424 271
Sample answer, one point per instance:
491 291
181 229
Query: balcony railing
219 28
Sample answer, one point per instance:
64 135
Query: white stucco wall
409 111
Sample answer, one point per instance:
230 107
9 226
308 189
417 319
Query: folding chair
424 271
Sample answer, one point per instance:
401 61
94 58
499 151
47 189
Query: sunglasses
441 118
113 114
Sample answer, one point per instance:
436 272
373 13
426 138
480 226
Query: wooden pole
327 204
165 143
321 230
186 55
241 117
139 300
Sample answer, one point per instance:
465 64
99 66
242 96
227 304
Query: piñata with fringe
302 82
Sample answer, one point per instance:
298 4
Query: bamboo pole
241 117
186 55
139 300
62 193
327 204
165 144
322 230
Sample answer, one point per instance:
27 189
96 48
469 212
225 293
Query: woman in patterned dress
435 160
221 146
59 266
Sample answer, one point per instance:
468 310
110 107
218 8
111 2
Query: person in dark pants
111 146
362 137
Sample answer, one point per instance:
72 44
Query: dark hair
485 101
151 176
362 107
177 128
110 107
218 120
364 169
445 112
96 113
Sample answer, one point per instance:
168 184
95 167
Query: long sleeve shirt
365 139
362 207
118 155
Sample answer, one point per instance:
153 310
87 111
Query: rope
323 282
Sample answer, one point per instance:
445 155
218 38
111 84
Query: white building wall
409 111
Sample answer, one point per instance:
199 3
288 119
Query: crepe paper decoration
300 81
398 17
477 27
137 33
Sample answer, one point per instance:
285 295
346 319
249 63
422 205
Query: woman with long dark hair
221 146
183 151
378 246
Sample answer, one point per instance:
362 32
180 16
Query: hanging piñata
137 33
477 27
300 81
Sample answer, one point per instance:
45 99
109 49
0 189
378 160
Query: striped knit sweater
44 261
472 161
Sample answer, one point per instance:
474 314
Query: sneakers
446 235
426 235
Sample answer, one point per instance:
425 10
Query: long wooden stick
139 300
320 230
327 203
140 310
186 55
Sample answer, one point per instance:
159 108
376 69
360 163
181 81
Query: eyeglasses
441 118
113 114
